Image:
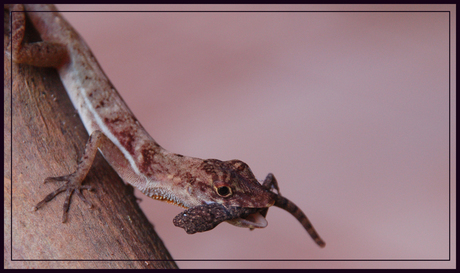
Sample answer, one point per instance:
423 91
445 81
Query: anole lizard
211 190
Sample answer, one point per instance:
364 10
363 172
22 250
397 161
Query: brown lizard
211 190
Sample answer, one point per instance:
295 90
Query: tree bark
43 136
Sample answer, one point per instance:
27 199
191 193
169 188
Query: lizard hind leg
271 184
41 54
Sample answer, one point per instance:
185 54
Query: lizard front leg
48 54
74 180
45 54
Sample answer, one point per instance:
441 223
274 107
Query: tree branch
46 139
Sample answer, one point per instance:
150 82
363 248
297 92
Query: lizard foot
72 185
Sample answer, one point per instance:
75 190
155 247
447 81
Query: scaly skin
211 190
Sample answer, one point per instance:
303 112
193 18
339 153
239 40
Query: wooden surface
46 138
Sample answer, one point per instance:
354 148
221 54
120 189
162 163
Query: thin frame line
11 136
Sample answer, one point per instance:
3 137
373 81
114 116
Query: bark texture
43 136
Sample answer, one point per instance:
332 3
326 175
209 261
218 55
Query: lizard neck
172 178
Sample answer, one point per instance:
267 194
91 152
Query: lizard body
211 190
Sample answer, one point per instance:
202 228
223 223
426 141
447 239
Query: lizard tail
292 208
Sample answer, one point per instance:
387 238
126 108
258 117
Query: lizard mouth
253 220
208 216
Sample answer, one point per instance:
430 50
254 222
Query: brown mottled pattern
213 190
86 83
152 162
247 192
148 158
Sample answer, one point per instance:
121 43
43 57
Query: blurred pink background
348 110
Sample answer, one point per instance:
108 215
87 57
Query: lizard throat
163 195
169 200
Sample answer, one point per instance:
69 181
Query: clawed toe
49 197
57 179
69 187
79 194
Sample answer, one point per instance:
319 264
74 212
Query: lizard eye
222 189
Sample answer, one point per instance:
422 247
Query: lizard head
219 191
232 184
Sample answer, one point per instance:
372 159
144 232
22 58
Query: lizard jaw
254 220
